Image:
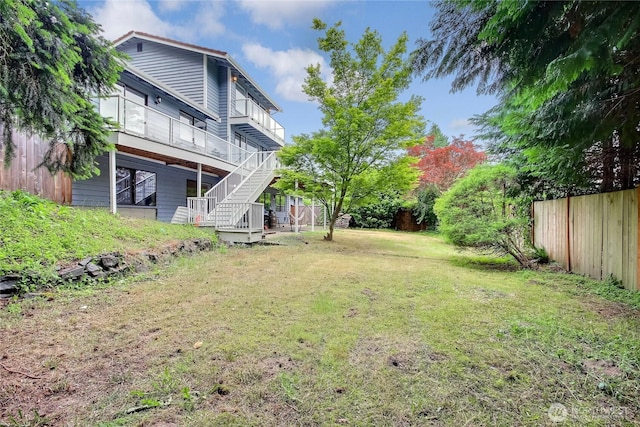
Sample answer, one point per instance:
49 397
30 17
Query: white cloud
460 124
288 67
277 14
170 5
208 20
458 127
119 17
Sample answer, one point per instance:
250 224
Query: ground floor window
192 188
135 187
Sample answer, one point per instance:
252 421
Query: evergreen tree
568 78
52 61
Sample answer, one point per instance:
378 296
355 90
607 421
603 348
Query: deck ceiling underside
171 161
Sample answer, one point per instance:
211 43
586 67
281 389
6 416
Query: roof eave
201 50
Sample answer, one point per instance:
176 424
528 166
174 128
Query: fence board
550 229
578 240
593 221
630 233
23 173
613 235
596 235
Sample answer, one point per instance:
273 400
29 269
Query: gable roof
217 54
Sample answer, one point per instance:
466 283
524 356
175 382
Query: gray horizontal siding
93 191
223 99
179 69
213 91
213 95
171 185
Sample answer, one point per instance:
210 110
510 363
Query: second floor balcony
257 122
141 121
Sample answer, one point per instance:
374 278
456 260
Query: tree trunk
329 236
332 224
334 215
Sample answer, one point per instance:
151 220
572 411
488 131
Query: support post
568 261
112 182
295 208
324 217
313 215
199 180
637 260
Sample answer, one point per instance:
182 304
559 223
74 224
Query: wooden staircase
229 206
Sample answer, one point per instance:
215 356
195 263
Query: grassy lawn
376 328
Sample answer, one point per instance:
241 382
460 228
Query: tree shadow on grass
485 263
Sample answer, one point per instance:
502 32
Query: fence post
638 242
569 233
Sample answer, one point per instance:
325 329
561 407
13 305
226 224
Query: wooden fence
23 173
595 235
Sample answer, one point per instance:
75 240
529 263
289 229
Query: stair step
180 216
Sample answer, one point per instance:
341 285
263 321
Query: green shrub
379 214
423 208
480 211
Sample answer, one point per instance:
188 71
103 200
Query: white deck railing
199 209
204 211
139 120
251 216
247 108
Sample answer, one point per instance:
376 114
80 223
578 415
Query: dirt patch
57 381
610 309
484 295
273 365
384 351
601 368
353 312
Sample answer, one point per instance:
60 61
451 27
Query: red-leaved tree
441 166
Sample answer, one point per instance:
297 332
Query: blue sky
273 41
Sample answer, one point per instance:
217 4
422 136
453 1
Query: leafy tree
567 75
480 211
441 166
366 129
52 61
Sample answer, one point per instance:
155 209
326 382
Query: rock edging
104 266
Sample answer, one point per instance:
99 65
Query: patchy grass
375 328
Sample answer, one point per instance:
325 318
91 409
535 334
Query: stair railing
212 209
255 179
229 183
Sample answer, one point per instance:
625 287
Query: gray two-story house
195 140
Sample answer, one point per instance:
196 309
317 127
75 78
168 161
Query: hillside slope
36 234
